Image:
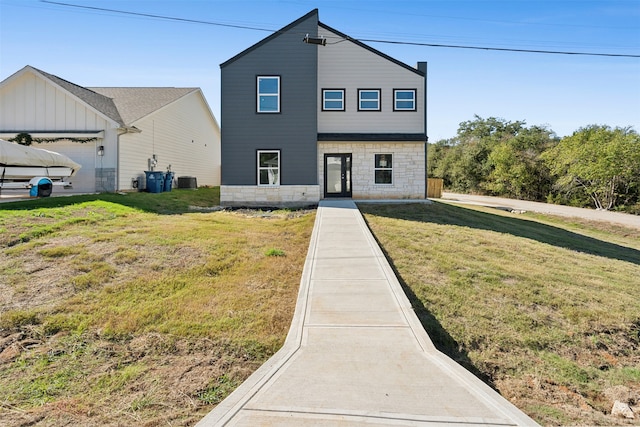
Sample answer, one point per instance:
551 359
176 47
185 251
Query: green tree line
596 166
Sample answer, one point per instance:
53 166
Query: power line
247 27
150 15
504 49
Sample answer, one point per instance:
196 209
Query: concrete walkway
356 353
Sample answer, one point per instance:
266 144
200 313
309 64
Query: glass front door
337 175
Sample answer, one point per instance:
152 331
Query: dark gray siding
294 129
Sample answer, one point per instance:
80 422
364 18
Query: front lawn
544 309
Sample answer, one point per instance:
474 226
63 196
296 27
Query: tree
517 169
488 155
602 162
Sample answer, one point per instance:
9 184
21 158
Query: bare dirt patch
171 378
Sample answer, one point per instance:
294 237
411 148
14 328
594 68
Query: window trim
395 100
344 101
259 168
258 94
378 168
370 90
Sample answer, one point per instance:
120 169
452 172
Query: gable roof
275 34
313 13
123 105
134 103
370 49
102 103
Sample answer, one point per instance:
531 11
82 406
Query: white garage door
84 153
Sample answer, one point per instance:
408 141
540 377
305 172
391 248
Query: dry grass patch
129 317
544 309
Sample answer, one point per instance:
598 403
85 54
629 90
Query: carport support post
422 66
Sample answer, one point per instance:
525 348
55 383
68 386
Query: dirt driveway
568 211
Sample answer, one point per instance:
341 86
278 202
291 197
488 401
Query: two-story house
309 113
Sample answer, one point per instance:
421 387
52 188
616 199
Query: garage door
84 153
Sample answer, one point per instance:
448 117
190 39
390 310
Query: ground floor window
268 167
383 168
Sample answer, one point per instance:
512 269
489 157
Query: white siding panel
19 99
349 66
32 103
41 99
69 113
182 135
61 111
49 121
84 153
29 108
80 118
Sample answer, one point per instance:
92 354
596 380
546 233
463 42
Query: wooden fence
434 188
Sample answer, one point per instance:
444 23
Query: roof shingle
124 105
134 103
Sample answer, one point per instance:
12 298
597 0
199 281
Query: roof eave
369 48
270 37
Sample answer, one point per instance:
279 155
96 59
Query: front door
337 175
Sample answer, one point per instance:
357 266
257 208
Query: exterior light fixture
101 150
315 40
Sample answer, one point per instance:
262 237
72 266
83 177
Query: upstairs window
269 167
383 168
368 99
404 100
268 94
332 99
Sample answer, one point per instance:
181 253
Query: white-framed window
383 168
332 99
268 167
268 94
404 100
369 100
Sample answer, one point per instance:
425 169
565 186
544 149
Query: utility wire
149 15
504 49
246 27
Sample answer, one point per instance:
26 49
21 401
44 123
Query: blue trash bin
40 187
168 181
155 181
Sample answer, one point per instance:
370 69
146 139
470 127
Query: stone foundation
105 180
281 195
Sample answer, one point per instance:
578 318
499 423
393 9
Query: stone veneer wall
105 180
282 195
408 168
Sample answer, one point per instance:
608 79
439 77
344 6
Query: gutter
422 66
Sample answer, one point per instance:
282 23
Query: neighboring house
114 133
305 120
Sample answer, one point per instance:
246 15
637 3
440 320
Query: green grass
534 305
171 202
139 309
274 252
218 389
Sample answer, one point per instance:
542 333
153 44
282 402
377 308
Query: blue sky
564 92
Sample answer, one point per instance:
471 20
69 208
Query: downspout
422 67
